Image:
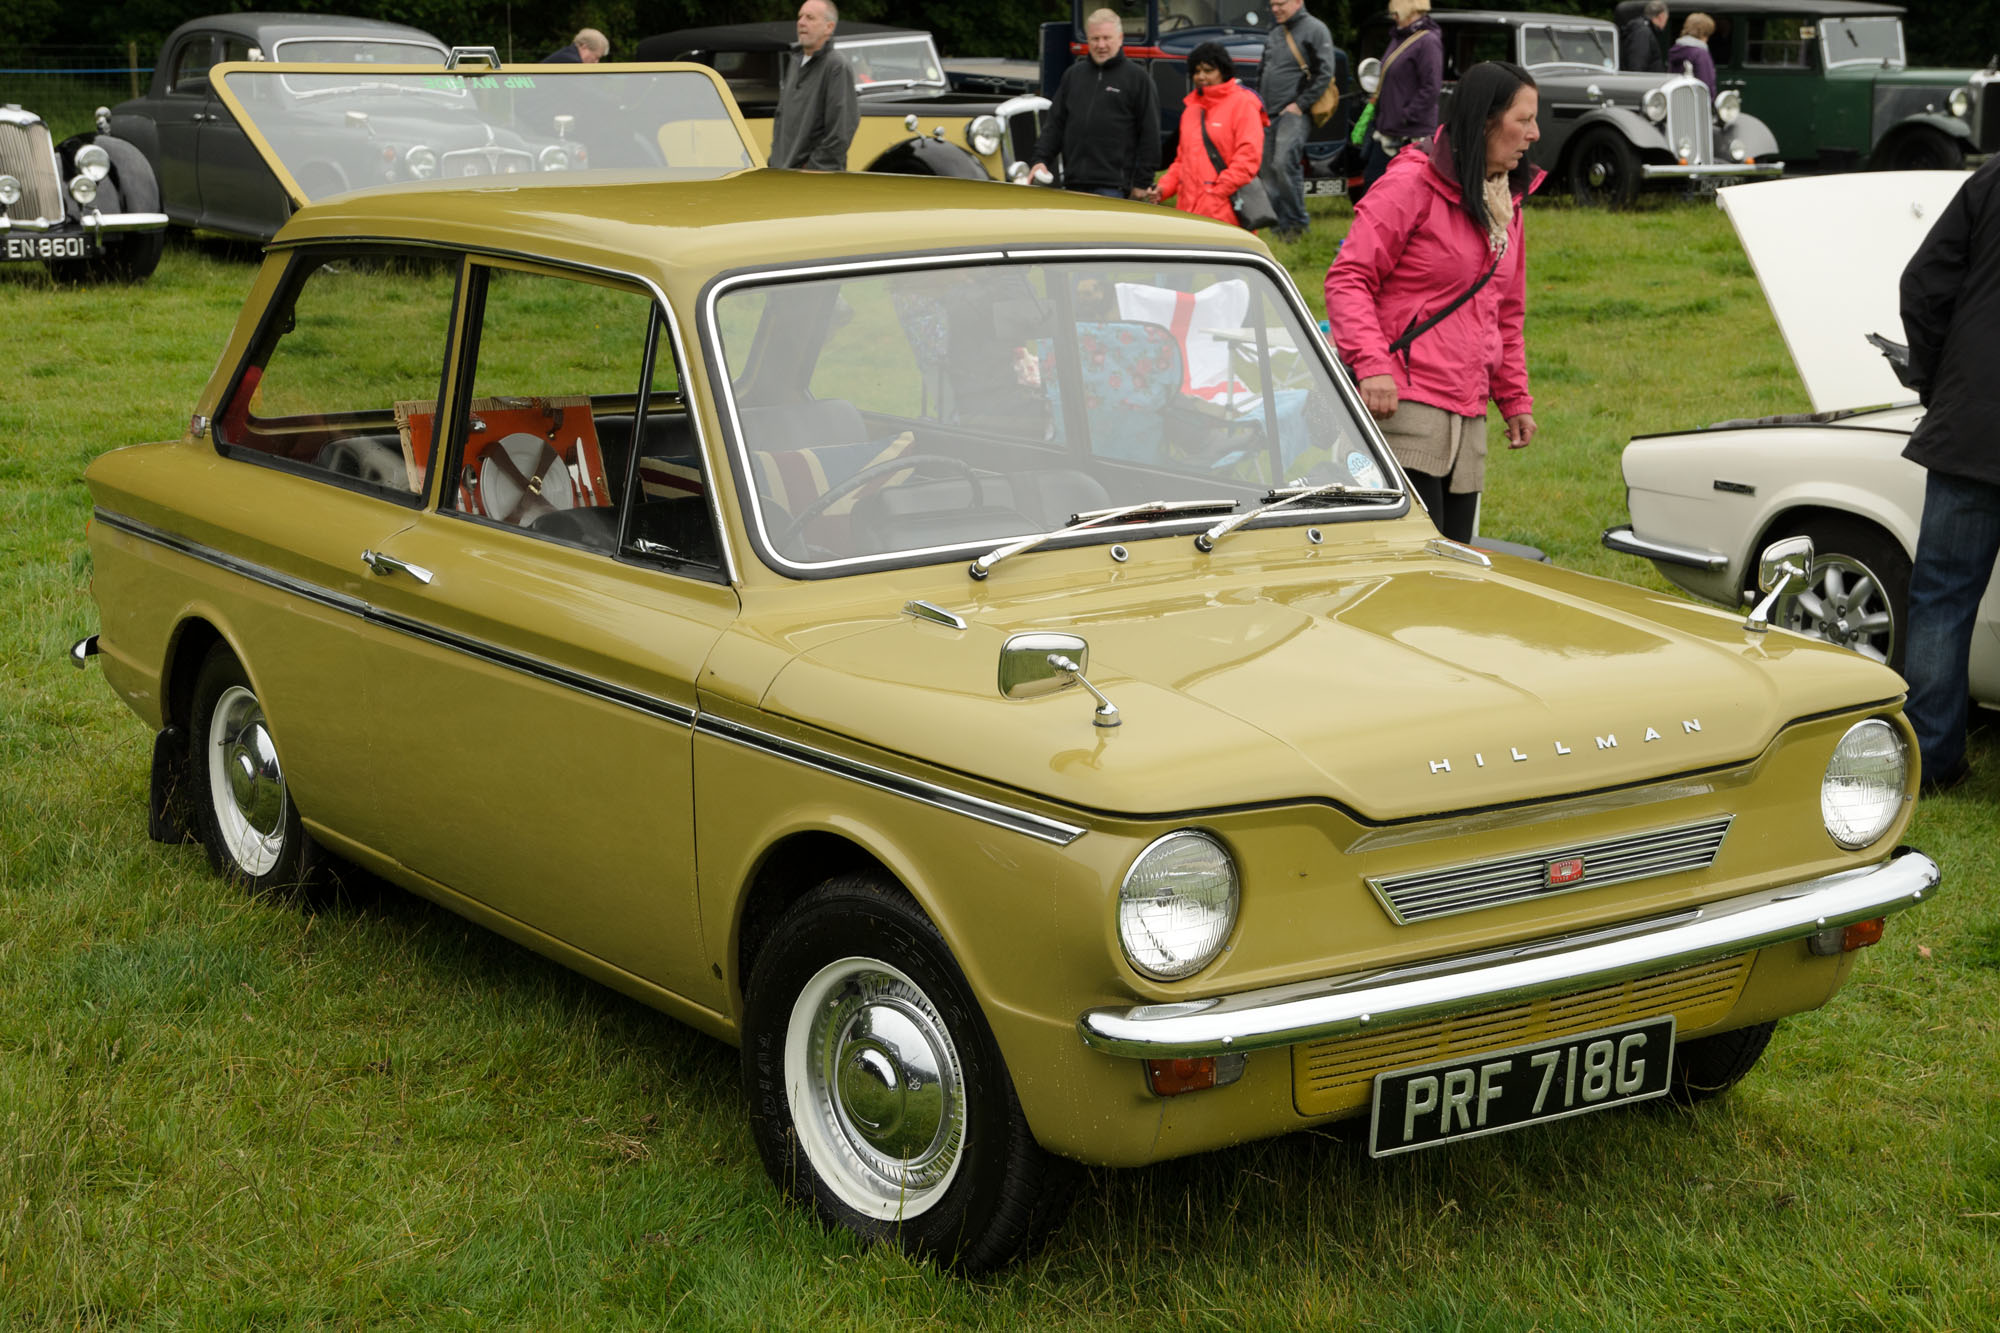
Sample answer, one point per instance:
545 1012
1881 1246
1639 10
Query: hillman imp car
1704 502
970 649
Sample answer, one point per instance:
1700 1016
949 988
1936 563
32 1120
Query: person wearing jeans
1950 296
1289 86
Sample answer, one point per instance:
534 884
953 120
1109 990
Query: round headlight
82 189
422 162
1654 104
93 161
1863 788
984 134
1728 106
554 158
1960 102
10 191
1177 905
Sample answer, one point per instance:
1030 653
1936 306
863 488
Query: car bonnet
1829 251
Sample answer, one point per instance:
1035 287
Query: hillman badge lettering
1606 742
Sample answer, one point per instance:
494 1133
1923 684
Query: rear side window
352 336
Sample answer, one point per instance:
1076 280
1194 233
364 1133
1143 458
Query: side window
352 337
1777 42
192 62
557 438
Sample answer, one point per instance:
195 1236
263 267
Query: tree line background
1939 32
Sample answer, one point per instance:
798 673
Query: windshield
334 130
1871 41
899 62
348 51
1181 15
927 411
1591 47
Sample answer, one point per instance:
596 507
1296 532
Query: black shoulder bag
1252 202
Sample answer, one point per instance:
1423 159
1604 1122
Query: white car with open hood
1705 501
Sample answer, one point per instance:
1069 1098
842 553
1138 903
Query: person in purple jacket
1689 55
1406 100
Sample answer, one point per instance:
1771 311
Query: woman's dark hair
1484 93
1212 53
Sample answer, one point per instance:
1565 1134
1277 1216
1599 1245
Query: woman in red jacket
1427 356
1235 120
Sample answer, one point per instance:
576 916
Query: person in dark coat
1951 315
818 109
589 47
1104 123
1639 43
1689 55
1406 99
1296 70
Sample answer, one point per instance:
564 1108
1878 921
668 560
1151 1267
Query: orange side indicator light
1171 1078
1860 935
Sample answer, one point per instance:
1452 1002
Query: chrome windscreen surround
1426 894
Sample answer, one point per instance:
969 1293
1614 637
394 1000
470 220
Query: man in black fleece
1105 122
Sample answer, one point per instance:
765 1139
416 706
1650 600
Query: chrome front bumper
1342 1006
89 222
1631 543
1657 171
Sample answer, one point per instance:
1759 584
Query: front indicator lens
1177 905
1862 791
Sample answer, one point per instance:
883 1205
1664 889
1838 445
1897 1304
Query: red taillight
1860 935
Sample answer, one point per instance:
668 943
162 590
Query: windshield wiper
1092 518
1279 497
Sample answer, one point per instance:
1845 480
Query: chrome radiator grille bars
28 155
1425 894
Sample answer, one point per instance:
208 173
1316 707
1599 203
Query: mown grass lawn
221 1113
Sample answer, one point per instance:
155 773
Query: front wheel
1603 170
245 811
877 1093
1923 150
1859 596
1707 1067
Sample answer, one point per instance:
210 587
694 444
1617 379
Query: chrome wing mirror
1369 75
1784 570
1035 664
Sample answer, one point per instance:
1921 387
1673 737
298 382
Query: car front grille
1425 894
1690 128
487 161
1330 1077
28 155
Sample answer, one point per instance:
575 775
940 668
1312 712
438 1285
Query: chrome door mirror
1369 75
1025 670
1784 570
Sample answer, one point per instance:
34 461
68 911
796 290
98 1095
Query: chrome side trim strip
1342 1006
944 798
1623 539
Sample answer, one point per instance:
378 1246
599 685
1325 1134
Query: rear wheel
244 809
1922 150
1859 596
1707 1067
877 1094
1603 170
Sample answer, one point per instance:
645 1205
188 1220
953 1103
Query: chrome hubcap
876 1090
1846 605
1599 173
246 785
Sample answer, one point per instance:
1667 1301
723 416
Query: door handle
389 564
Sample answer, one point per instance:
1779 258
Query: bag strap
1299 55
1417 331
1389 60
1214 154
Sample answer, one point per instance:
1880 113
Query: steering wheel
888 467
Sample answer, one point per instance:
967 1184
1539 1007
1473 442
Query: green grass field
223 1113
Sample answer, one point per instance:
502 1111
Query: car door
179 114
312 475
239 194
537 737
1774 62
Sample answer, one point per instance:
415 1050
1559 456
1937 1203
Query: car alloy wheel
1859 593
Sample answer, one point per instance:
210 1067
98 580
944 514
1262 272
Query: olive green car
968 647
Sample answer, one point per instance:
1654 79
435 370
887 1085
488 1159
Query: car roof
1517 16
263 27
782 36
680 232
1824 9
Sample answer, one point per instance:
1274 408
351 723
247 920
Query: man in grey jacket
817 107
1289 87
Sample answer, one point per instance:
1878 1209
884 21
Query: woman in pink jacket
1427 356
1235 120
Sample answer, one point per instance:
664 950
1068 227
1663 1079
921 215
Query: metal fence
65 85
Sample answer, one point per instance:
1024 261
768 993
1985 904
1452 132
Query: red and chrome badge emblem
1569 870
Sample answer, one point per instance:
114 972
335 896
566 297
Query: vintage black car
88 207
1606 134
1831 78
916 120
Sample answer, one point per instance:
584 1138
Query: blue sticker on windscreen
1365 471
